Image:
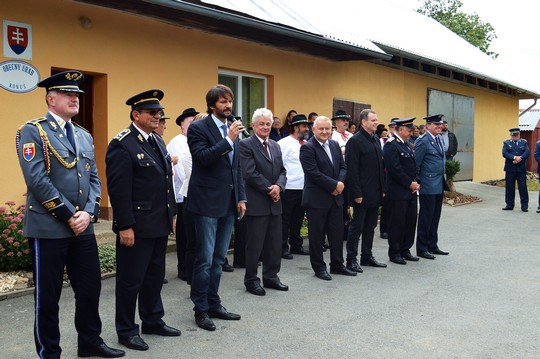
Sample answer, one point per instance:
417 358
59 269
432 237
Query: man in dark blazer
324 171
430 171
265 178
62 203
365 180
216 196
139 180
401 191
515 152
537 158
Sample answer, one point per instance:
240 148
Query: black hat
436 119
514 130
393 122
341 115
188 112
68 81
146 100
407 122
163 118
299 119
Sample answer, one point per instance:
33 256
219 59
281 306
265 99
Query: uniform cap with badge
67 81
406 122
146 100
435 119
514 131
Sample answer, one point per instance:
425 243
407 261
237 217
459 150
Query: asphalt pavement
481 301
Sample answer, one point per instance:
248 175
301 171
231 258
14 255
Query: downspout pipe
528 108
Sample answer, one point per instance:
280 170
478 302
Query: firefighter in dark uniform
139 181
401 189
63 194
515 151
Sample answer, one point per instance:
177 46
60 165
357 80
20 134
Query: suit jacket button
138 207
76 208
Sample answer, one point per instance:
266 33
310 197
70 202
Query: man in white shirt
341 134
291 199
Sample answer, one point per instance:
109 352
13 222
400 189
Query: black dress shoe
410 257
372 262
524 210
384 235
343 271
323 275
538 210
221 313
425 255
398 260
165 281
438 251
287 255
101 351
257 290
227 268
300 251
354 266
135 342
204 322
508 208
165 331
276 286
182 276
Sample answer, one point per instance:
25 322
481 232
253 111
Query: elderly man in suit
324 171
430 174
216 196
63 194
265 178
365 180
401 189
139 180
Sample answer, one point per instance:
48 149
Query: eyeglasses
153 113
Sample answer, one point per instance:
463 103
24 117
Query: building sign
18 76
17 40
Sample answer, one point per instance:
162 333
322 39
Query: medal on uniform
140 138
87 166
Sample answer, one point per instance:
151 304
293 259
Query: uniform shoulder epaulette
122 134
390 139
79 126
36 120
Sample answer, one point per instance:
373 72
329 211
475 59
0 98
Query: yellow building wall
128 54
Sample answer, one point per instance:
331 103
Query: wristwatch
93 219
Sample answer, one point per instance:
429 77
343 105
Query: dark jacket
400 169
365 169
511 149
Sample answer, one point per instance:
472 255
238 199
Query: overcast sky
516 25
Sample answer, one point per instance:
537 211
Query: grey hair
365 113
264 113
321 119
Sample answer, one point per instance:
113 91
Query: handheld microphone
238 118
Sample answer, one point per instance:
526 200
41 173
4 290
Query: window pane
231 82
252 97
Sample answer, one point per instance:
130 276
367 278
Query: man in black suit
365 179
264 176
216 196
324 171
401 189
139 180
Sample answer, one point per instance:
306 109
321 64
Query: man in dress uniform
139 180
401 189
515 152
430 174
63 194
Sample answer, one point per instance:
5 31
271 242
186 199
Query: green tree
468 26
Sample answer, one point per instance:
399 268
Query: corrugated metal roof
368 23
529 120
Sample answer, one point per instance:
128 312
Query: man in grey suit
63 194
265 178
430 171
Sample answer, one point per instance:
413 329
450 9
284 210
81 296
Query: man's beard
303 135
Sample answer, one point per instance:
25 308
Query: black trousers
402 226
181 238
264 238
428 222
240 233
510 193
383 225
362 225
139 274
79 255
325 222
293 217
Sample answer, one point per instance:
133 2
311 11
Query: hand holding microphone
236 123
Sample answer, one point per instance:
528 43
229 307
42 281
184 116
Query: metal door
458 111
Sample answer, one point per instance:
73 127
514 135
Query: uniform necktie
438 140
326 147
153 144
69 134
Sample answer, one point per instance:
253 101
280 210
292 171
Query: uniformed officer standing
63 194
515 151
139 180
401 189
